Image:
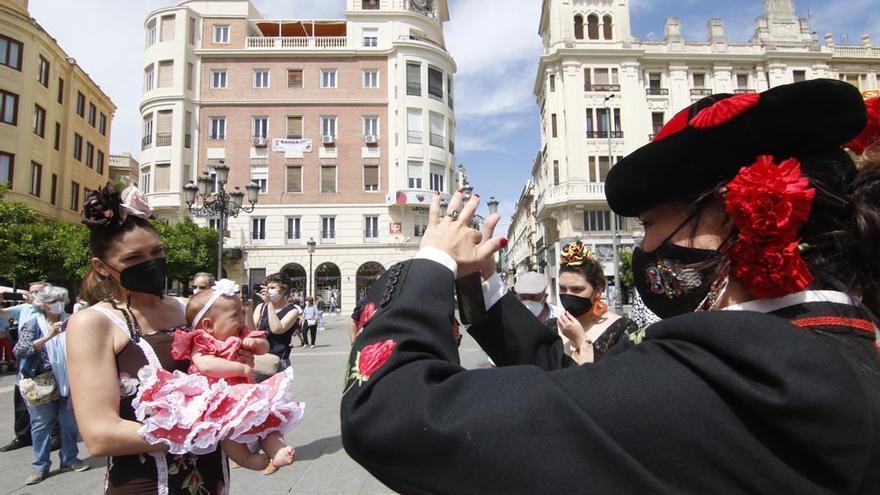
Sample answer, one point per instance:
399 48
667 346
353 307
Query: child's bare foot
256 462
284 457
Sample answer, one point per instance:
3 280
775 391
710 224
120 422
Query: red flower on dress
769 203
725 110
367 314
870 136
370 359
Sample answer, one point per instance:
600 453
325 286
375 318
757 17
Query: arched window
608 27
593 27
578 27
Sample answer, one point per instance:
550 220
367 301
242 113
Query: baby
218 401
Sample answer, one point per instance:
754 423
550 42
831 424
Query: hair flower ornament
222 287
136 203
575 254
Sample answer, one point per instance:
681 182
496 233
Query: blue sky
495 44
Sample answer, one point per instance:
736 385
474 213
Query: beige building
346 125
124 169
54 120
604 93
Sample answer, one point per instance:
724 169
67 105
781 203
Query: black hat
707 143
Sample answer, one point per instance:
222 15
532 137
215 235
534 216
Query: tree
190 249
626 271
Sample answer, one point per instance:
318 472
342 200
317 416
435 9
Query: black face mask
674 280
147 277
576 305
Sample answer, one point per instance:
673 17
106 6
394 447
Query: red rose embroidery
871 135
366 315
725 110
370 359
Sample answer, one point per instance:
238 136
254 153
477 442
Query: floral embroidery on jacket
369 360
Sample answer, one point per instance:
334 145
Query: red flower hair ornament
871 135
769 202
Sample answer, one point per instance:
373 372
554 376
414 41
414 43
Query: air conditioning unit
370 139
260 142
328 139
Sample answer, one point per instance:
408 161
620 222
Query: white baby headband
223 287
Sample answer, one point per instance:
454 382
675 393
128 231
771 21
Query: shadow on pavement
318 448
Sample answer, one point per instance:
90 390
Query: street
321 467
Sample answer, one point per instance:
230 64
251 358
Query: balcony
657 91
701 92
414 137
413 89
744 91
604 88
422 39
437 140
369 4
452 146
163 139
572 192
146 142
296 42
604 135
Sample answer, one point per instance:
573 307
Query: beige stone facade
55 126
124 169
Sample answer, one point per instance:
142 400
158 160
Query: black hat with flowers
706 144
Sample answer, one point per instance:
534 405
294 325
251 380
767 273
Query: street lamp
220 204
311 244
615 242
493 205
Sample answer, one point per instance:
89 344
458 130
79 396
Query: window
147 139
102 124
371 178
218 79
414 79
167 28
657 120
328 126
414 126
555 172
57 136
553 126
53 194
39 121
294 78
858 80
260 176
593 27
192 31
10 52
151 33
7 165
552 83
420 224
414 174
60 91
43 72
438 126
294 229
221 33
654 80
74 196
218 129
260 127
189 76
261 78
371 126
371 37
449 90
99 166
799 76
36 179
607 27
437 176
742 81
578 27
604 167
699 80
435 83
328 179
80 104
90 155
166 74
294 179
187 129
8 107
597 221
93 112
258 230
294 127
149 77
371 78
328 78
77 146
146 182
328 229
371 228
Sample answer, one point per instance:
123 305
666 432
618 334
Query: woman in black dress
277 316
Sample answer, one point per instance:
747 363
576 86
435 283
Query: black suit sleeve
511 335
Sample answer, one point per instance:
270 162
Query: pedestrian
43 383
128 326
332 303
7 359
80 304
311 316
200 282
761 256
278 317
531 290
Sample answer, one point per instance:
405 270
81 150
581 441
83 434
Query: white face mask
196 290
534 306
56 308
273 294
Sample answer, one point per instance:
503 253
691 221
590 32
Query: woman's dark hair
591 270
280 279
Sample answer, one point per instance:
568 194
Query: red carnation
725 110
768 201
770 270
870 136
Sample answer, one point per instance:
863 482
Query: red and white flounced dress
192 413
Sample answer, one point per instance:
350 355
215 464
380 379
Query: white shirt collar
809 296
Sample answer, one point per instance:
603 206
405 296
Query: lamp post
615 242
311 244
219 204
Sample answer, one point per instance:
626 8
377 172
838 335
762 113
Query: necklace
134 327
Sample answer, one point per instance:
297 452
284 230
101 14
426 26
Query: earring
599 308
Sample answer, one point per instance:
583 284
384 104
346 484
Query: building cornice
290 103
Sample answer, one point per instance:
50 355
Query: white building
604 93
346 125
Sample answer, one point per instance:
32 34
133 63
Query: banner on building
285 145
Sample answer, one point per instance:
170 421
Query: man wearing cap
531 290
